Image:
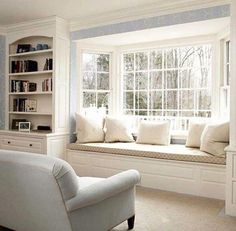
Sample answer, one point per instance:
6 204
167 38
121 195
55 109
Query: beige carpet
166 211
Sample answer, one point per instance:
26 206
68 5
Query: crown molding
35 23
3 30
30 24
162 8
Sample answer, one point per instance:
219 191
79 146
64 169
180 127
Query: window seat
175 152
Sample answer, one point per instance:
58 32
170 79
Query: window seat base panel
194 178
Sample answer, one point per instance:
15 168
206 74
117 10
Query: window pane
203 56
128 81
155 113
141 61
128 62
128 112
186 56
204 100
203 114
156 60
227 74
141 100
156 100
89 80
171 113
103 100
141 112
202 77
89 99
103 81
172 79
187 113
141 81
156 80
88 62
187 99
171 58
103 62
171 100
187 78
128 100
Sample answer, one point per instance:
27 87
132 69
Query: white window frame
197 40
225 88
93 49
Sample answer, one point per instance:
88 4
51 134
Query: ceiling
202 28
15 11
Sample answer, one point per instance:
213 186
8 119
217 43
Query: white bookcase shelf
29 113
31 93
31 53
31 73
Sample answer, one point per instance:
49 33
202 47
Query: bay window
173 83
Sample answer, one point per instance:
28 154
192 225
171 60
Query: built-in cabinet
37 87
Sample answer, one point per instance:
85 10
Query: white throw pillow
194 134
89 129
215 138
117 130
157 132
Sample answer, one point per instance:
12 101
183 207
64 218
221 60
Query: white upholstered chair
39 193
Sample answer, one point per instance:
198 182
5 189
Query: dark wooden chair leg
131 222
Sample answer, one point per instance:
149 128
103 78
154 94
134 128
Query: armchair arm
104 189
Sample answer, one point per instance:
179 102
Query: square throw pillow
117 130
215 138
194 134
89 129
156 132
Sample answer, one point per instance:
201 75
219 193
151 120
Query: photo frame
24 126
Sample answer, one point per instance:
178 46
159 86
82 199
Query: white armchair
42 193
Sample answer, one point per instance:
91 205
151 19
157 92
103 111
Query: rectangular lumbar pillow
215 138
154 132
194 134
117 130
89 129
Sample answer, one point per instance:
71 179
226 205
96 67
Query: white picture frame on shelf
24 126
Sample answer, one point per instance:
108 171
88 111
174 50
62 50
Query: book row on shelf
47 85
27 86
19 66
24 105
22 86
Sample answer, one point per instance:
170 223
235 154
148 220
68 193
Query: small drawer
22 144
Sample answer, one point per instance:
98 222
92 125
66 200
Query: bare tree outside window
173 82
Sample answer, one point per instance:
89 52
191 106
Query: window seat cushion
170 152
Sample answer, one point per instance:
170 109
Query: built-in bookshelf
37 87
31 81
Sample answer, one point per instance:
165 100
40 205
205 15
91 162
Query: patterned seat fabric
170 152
